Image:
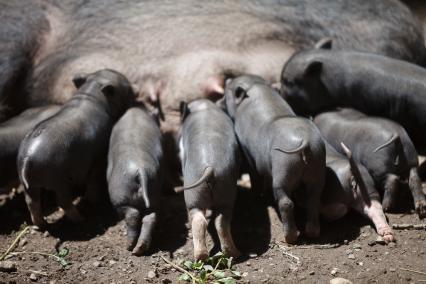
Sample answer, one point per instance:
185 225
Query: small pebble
391 245
391 269
339 280
345 242
348 251
252 255
151 274
7 266
333 271
45 234
351 256
380 240
112 262
311 272
23 242
96 264
33 277
357 246
248 263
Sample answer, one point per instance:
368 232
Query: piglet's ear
325 43
108 90
314 68
184 110
79 79
240 94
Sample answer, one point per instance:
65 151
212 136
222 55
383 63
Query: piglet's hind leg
415 185
64 199
145 237
33 200
374 212
199 230
390 186
286 208
133 221
223 227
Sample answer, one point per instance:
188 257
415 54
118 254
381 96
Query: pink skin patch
374 212
214 87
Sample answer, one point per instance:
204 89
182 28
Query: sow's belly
183 50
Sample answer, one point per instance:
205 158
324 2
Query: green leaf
197 265
229 264
219 254
215 258
63 262
188 264
227 280
208 267
218 274
236 274
63 252
203 275
184 277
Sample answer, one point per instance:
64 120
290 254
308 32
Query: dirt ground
97 251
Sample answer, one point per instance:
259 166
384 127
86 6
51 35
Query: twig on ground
14 243
409 226
326 246
38 272
57 258
284 251
414 271
183 270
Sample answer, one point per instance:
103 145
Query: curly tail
299 149
357 174
143 187
207 175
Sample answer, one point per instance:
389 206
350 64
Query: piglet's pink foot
387 234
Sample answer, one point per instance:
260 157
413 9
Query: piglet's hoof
201 255
39 227
386 204
291 237
140 249
235 253
421 208
387 235
39 224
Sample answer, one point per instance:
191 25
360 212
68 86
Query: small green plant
216 269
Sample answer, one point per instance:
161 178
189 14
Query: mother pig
182 50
